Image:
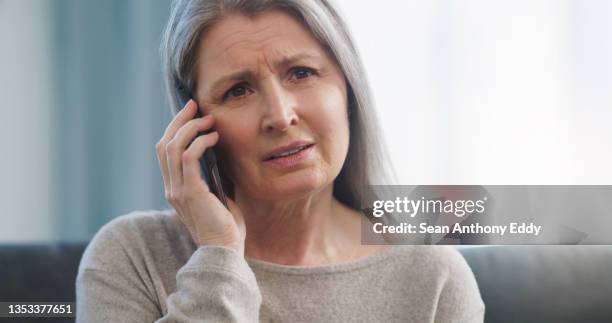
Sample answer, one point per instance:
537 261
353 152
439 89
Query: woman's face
268 83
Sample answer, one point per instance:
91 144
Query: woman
288 110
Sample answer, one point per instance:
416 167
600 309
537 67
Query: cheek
328 116
236 140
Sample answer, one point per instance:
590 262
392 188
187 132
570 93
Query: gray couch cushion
39 273
544 283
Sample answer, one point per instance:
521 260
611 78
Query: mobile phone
208 165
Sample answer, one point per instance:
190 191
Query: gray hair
366 161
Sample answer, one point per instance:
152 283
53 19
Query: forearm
215 285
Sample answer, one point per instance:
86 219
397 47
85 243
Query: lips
287 150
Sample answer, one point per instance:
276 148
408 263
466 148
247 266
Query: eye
237 91
299 73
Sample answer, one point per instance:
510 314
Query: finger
191 161
188 132
177 146
181 118
160 149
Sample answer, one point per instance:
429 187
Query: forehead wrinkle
248 32
238 33
255 63
247 42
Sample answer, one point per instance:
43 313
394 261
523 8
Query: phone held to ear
210 169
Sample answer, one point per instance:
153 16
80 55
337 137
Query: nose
279 108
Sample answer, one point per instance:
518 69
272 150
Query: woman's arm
215 285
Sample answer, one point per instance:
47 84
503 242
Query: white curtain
491 92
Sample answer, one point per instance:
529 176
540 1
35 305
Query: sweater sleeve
215 285
230 293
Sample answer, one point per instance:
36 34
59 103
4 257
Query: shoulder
445 259
135 235
447 264
443 271
459 299
441 260
148 224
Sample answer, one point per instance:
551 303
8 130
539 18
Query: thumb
233 207
237 215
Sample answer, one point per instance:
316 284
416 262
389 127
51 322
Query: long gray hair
367 161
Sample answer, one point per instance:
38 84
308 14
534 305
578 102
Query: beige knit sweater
144 267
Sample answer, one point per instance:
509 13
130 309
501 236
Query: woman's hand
206 218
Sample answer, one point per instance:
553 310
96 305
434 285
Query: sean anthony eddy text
473 228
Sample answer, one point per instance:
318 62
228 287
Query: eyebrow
248 74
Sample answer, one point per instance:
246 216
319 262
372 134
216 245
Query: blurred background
468 92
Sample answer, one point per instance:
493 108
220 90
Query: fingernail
185 107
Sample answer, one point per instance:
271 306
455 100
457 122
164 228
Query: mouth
289 151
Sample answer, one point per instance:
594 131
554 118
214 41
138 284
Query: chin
298 184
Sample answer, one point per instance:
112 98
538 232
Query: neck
310 230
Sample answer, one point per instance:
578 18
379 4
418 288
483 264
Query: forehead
240 41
